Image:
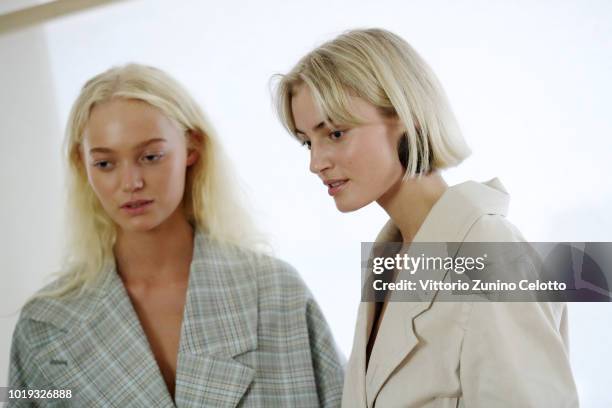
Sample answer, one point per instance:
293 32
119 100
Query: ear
194 141
192 157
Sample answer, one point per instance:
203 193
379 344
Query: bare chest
160 313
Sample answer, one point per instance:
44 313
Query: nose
320 159
131 179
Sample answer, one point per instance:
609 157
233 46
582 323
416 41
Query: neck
160 255
409 202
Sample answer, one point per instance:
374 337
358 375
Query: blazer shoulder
274 278
279 279
43 320
58 311
493 228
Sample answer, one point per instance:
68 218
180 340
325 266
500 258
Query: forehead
122 123
307 114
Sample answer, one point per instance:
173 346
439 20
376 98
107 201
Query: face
136 160
357 164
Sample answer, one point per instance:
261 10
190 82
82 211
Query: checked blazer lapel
220 323
107 357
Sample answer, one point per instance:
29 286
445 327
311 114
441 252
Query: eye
336 134
152 157
306 144
103 164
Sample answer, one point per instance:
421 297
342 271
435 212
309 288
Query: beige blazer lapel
448 221
354 390
220 324
396 337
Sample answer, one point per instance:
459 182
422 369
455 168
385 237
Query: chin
138 226
345 206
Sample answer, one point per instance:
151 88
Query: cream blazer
470 354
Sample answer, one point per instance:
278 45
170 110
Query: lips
136 207
335 186
136 204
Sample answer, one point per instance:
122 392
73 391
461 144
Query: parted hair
384 70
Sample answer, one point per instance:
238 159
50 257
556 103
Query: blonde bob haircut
207 202
384 70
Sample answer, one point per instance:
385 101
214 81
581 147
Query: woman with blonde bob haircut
166 298
379 128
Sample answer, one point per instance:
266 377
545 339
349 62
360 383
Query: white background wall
30 174
529 83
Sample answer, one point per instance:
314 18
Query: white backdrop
528 82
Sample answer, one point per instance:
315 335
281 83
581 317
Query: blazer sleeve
23 370
326 359
515 355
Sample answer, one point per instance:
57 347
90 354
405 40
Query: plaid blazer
252 336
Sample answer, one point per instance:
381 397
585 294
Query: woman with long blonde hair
379 129
165 298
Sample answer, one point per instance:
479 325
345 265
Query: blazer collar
219 323
449 220
455 212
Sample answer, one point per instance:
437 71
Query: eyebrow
317 127
138 146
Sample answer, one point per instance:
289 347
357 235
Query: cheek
171 176
376 163
101 184
355 157
387 153
371 156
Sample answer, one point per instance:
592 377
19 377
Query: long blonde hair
208 202
384 70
